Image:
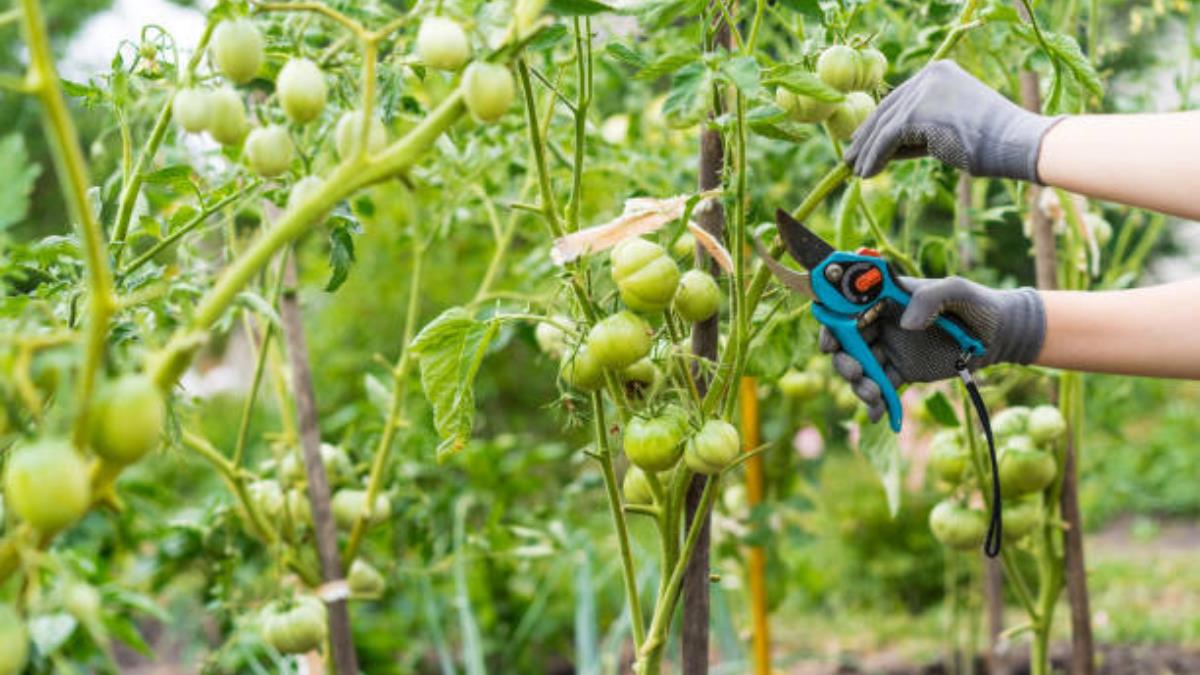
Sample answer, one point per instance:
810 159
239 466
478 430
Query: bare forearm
1152 331
1150 161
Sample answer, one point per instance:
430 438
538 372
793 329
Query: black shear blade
807 248
797 281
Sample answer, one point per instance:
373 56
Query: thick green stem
604 456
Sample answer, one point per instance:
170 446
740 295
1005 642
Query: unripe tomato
821 365
337 465
713 448
620 340
654 444
850 114
83 601
844 399
128 419
581 370
801 385
298 508
226 117
684 246
349 131
348 505
191 110
643 375
1046 424
873 67
636 487
697 297
1020 441
645 275
527 13
947 457
269 150
1021 517
957 526
47 484
268 498
442 44
14 641
364 580
838 67
1012 421
237 49
303 190
487 90
1023 471
551 339
302 90
803 108
297 630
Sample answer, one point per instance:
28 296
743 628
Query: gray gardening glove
1010 324
945 112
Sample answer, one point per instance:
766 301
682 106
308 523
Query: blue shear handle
965 341
845 329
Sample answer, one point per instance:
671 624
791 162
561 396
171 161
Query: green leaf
809 8
450 350
341 256
1067 50
623 54
939 408
577 7
17 177
261 306
178 178
879 445
668 64
797 80
687 100
547 37
92 95
779 131
743 72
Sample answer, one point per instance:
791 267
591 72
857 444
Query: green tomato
302 90
713 448
237 50
226 117
267 496
1046 424
1012 421
297 630
83 602
14 641
488 91
800 385
873 68
645 275
1025 470
803 108
642 377
844 399
698 297
820 365
364 580
838 66
337 465
128 419
655 444
636 487
620 340
684 246
947 457
299 509
304 190
269 150
442 44
551 339
850 114
957 526
582 371
191 110
47 484
1022 517
349 132
348 505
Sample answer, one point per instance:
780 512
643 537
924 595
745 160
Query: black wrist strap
991 545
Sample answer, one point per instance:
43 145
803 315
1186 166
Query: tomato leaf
879 445
687 100
743 72
450 350
17 177
668 64
341 256
798 80
809 8
577 7
624 54
939 408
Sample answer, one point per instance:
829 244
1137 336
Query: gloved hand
945 112
1011 324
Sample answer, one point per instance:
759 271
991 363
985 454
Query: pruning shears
848 292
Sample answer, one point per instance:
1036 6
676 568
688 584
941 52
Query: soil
1112 660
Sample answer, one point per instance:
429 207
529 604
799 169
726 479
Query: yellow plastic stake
760 633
